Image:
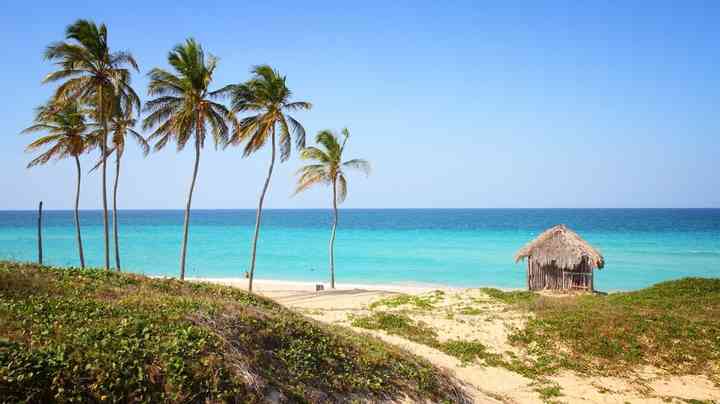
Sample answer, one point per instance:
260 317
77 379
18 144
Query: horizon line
340 208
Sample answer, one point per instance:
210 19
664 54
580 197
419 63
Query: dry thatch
562 247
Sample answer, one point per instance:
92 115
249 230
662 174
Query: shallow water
457 247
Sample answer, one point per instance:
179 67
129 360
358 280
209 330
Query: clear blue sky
457 104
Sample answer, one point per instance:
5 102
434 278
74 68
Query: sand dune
489 325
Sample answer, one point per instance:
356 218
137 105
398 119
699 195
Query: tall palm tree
267 96
65 136
328 169
90 72
184 108
121 126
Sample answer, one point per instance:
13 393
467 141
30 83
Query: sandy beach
491 325
302 295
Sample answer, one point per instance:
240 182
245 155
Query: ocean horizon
444 247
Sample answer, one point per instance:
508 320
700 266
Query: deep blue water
459 247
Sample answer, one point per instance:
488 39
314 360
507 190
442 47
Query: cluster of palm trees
95 108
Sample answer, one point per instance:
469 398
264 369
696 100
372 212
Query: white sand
268 285
346 296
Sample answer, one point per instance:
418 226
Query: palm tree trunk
187 210
77 214
103 150
332 237
115 215
258 215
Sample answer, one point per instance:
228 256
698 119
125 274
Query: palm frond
41 127
330 142
54 152
298 106
298 131
219 127
328 163
285 141
311 175
257 138
62 74
313 153
341 190
266 94
223 92
44 141
65 128
182 109
123 58
359 164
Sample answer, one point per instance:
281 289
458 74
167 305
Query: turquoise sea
457 247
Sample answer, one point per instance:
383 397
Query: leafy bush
672 325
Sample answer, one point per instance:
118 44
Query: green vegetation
328 168
674 326
75 335
548 391
397 324
467 351
511 297
401 325
423 302
470 311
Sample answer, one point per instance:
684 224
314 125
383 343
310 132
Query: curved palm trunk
258 215
103 150
77 214
115 215
332 236
187 211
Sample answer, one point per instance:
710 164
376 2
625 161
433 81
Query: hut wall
541 277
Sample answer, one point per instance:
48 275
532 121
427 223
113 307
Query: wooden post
39 222
528 272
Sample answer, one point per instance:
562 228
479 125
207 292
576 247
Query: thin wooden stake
40 257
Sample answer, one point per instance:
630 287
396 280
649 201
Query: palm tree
267 95
328 169
66 136
92 73
184 109
121 125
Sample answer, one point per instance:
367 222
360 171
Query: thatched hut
559 259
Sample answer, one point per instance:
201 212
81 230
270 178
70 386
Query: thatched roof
563 246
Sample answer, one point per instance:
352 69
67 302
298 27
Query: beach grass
402 325
673 326
90 335
418 302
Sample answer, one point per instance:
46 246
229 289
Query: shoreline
277 285
408 287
